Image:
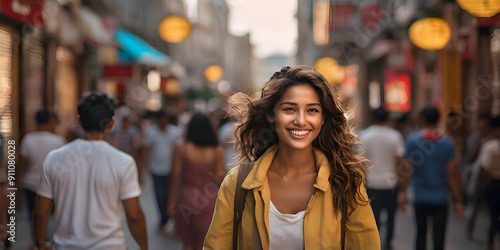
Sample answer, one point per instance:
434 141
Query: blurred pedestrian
125 135
385 148
489 159
307 182
34 148
474 188
87 180
226 139
198 170
454 131
157 154
434 174
402 124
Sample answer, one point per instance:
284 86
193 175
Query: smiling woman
307 181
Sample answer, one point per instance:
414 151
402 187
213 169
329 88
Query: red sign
340 16
117 71
397 92
26 11
370 15
489 22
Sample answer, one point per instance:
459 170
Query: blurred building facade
53 52
392 71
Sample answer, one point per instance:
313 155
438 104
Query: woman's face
298 117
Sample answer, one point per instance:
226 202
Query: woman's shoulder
232 174
227 190
230 181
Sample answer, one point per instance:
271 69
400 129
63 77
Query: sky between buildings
272 25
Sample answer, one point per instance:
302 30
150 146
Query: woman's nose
299 119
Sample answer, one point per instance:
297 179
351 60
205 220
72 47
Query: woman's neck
295 162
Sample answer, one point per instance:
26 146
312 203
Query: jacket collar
258 174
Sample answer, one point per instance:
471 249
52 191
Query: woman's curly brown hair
254 134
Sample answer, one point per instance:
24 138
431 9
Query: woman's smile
299 133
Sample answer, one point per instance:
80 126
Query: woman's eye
288 109
313 110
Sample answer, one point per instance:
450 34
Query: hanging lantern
214 73
174 29
430 33
483 8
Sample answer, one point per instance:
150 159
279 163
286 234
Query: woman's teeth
299 132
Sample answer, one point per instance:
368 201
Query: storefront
9 80
22 57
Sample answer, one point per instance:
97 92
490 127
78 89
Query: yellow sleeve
220 232
361 229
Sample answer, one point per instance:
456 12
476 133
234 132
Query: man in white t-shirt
87 180
33 154
157 149
385 148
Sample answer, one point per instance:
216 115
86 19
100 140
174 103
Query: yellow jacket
321 224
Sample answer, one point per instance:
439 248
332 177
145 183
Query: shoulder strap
343 208
239 199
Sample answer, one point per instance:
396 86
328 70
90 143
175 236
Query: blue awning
135 49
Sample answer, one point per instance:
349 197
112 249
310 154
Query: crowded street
403 239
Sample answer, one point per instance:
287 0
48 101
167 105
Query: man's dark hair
495 121
160 114
485 116
451 114
430 114
42 116
96 111
379 114
200 131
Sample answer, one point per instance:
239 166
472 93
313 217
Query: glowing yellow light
172 87
154 80
483 8
430 33
174 29
330 69
214 73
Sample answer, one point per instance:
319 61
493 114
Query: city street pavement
404 237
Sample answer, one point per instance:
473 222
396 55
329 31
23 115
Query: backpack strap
343 208
239 199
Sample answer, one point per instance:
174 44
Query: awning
135 49
92 27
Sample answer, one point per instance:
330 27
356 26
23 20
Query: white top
286 231
87 181
383 144
161 146
489 158
35 146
